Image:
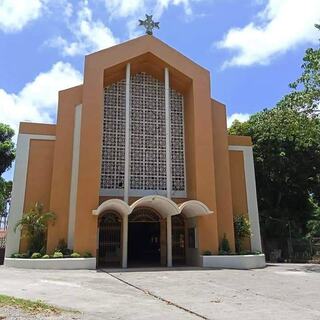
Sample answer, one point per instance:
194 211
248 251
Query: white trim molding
74 175
19 188
52 264
168 131
251 191
240 262
127 138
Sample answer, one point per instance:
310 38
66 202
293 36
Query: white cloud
90 35
280 26
242 117
15 15
136 9
37 101
125 8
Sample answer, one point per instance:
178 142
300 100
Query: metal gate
110 240
178 240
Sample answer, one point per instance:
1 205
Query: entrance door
109 240
144 238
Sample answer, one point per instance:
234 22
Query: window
147 138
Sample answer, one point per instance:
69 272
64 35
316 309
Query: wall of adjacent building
222 173
32 177
238 180
62 157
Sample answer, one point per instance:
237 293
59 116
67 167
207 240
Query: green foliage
46 256
36 255
224 246
287 155
241 231
305 96
207 253
313 225
34 225
5 193
63 248
20 255
7 150
32 307
75 255
57 254
87 255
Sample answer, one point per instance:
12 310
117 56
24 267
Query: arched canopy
194 208
117 205
164 206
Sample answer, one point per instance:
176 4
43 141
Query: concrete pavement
286 291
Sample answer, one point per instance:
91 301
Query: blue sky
252 48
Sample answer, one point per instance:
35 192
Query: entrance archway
144 238
109 254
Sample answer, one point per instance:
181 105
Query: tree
34 225
313 225
242 230
305 96
7 155
286 149
287 165
5 194
7 150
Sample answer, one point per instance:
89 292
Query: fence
292 250
3 228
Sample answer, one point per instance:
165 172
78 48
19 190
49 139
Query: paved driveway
277 292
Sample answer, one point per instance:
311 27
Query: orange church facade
139 168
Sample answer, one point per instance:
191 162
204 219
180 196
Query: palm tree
34 226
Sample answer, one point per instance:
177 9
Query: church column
126 170
168 163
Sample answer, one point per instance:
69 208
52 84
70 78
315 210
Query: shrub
46 256
207 253
241 230
75 255
224 246
57 254
63 248
87 255
20 255
34 225
36 255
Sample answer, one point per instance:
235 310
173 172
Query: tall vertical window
112 165
147 174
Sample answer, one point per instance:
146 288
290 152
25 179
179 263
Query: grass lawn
27 305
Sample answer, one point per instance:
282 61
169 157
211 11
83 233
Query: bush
241 231
75 255
63 248
20 255
34 226
46 256
36 255
224 246
87 255
207 253
57 254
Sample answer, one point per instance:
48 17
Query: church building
139 167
